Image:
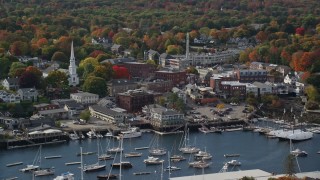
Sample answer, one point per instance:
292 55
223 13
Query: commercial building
141 70
177 77
85 98
250 76
106 114
120 85
134 100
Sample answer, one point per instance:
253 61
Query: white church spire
73 76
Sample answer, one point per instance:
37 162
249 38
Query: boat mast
81 163
161 171
169 164
121 141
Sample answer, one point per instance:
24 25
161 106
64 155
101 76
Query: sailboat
43 172
121 164
202 155
156 150
65 176
187 149
96 166
33 166
169 167
104 157
297 152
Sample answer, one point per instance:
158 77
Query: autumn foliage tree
120 72
29 80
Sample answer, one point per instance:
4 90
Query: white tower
187 47
73 76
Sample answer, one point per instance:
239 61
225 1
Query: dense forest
286 31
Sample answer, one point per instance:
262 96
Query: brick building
233 88
177 77
250 76
120 85
158 85
134 100
141 70
215 81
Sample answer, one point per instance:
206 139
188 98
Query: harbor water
256 152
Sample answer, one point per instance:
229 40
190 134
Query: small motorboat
141 173
152 161
234 163
107 176
231 155
132 154
65 176
299 153
44 172
172 168
177 158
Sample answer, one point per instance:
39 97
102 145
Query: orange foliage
285 55
253 56
305 75
42 41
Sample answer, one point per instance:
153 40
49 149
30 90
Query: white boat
121 164
132 154
234 163
104 157
202 155
152 160
33 166
115 150
73 136
108 134
99 135
299 153
187 149
91 134
177 158
65 176
200 164
157 151
96 166
172 168
295 135
44 172
131 133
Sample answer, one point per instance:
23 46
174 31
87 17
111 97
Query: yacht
131 133
29 168
177 158
94 167
157 151
44 172
202 155
33 166
299 153
115 150
104 157
123 164
107 176
65 176
91 134
231 155
152 161
187 149
215 130
200 164
234 163
294 135
73 136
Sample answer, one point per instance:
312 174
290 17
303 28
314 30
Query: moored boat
141 173
123 164
132 154
152 161
231 155
107 176
94 167
157 151
44 172
132 132
14 164
172 168
177 158
65 176
299 153
234 163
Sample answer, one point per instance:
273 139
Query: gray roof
13 80
84 94
105 110
151 51
261 85
27 90
52 111
114 82
164 111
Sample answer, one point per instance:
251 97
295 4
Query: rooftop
104 110
84 94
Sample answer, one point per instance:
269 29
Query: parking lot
229 112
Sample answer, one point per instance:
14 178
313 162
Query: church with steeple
73 76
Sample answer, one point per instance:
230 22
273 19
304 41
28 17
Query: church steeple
73 76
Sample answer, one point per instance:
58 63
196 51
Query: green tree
192 70
5 67
312 93
289 165
96 85
85 115
14 67
57 79
180 105
59 56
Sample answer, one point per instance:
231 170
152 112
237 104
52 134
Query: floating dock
141 148
53 157
14 164
72 163
141 173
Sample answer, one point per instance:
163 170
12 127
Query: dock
166 133
141 148
14 164
53 157
36 144
11 178
141 173
72 163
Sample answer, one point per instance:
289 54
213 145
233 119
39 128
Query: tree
180 105
35 71
192 70
120 72
85 115
312 105
5 67
57 79
19 48
14 67
96 85
289 166
59 56
174 49
29 80
312 93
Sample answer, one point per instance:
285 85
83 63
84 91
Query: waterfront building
45 133
85 98
134 100
11 83
120 85
54 113
216 79
30 94
9 122
252 89
163 118
107 114
73 76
